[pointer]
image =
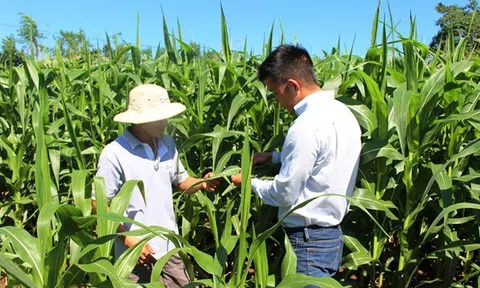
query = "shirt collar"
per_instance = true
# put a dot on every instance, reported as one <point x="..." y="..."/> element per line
<point x="134" y="143"/>
<point x="132" y="140"/>
<point x="319" y="96"/>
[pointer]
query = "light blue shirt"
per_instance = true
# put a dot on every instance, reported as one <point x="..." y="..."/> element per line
<point x="127" y="158"/>
<point x="320" y="155"/>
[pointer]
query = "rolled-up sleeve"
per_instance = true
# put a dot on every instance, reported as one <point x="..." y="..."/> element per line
<point x="276" y="157"/>
<point x="298" y="157"/>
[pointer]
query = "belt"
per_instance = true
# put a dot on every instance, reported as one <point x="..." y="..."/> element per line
<point x="314" y="227"/>
<point x="306" y="234"/>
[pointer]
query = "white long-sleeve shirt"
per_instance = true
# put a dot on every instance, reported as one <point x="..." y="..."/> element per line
<point x="320" y="155"/>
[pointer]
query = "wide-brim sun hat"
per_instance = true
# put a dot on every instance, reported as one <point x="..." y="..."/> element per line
<point x="149" y="103"/>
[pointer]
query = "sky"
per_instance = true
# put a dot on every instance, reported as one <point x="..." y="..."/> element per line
<point x="317" y="25"/>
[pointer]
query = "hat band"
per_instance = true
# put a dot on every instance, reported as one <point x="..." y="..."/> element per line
<point x="140" y="108"/>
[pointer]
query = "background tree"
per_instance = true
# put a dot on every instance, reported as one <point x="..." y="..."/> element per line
<point x="71" y="43"/>
<point x="9" y="54"/>
<point x="196" y="48"/>
<point x="147" y="53"/>
<point x="29" y="34"/>
<point x="458" y="19"/>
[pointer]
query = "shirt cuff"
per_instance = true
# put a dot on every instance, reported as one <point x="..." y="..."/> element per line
<point x="276" y="157"/>
<point x="261" y="189"/>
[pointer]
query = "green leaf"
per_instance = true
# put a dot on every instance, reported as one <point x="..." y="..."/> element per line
<point x="410" y="64"/>
<point x="235" y="106"/>
<point x="103" y="266"/>
<point x="301" y="280"/>
<point x="120" y="202"/>
<point x="379" y="106"/>
<point x="72" y="277"/>
<point x="78" y="190"/>
<point x="470" y="148"/>
<point x="44" y="221"/>
<point x="225" y="41"/>
<point x="437" y="81"/>
<point x="461" y="117"/>
<point x="127" y="261"/>
<point x="366" y="199"/>
<point x="467" y="178"/>
<point x="93" y="246"/>
<point x="158" y="267"/>
<point x="289" y="262"/>
<point x="445" y="212"/>
<point x="42" y="167"/>
<point x="365" y="117"/>
<point x="227" y="244"/>
<point x="158" y="231"/>
<point x="260" y="262"/>
<point x="73" y="74"/>
<point x="373" y="37"/>
<point x="136" y="58"/>
<point x="434" y="85"/>
<point x="71" y="130"/>
<point x="401" y="100"/>
<point x="28" y="249"/>
<point x="196" y="139"/>
<point x="204" y="260"/>
<point x="244" y="210"/>
<point x="445" y="184"/>
<point x="458" y="246"/>
<point x="210" y="207"/>
<point x="101" y="201"/>
<point x="168" y="44"/>
<point x="263" y="91"/>
<point x="16" y="272"/>
<point x="378" y="148"/>
<point x="354" y="260"/>
<point x="75" y="230"/>
<point x="32" y="72"/>
<point x="222" y="163"/>
<point x="353" y="244"/>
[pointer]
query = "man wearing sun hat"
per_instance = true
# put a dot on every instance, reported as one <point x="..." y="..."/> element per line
<point x="144" y="153"/>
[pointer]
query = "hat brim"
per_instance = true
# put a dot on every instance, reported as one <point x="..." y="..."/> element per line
<point x="166" y="111"/>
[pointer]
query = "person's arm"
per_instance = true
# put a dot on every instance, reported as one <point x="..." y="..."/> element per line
<point x="260" y="158"/>
<point x="183" y="181"/>
<point x="208" y="186"/>
<point x="300" y="154"/>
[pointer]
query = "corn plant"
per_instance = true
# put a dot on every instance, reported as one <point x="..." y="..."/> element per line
<point x="414" y="214"/>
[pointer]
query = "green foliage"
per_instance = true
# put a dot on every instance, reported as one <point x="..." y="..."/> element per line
<point x="72" y="43"/>
<point x="10" y="55"/>
<point x="414" y="215"/>
<point x="458" y="22"/>
<point x="30" y="34"/>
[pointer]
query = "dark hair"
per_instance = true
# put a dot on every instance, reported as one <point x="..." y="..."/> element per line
<point x="288" y="61"/>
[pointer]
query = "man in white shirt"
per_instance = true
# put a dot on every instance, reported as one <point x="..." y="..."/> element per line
<point x="320" y="156"/>
<point x="144" y="153"/>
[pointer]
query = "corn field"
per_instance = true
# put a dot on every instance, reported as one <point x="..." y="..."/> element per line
<point x="414" y="217"/>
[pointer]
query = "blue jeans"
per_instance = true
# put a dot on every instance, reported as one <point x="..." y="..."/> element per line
<point x="318" y="250"/>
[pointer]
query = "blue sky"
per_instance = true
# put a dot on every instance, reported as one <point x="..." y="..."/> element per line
<point x="317" y="25"/>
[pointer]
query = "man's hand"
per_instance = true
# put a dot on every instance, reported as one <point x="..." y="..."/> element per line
<point x="210" y="185"/>
<point x="260" y="158"/>
<point x="146" y="254"/>
<point x="237" y="179"/>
